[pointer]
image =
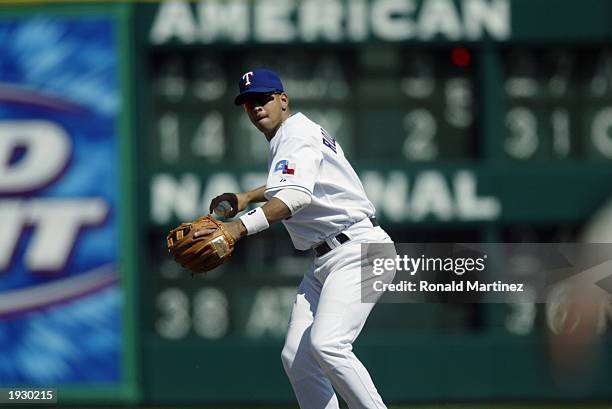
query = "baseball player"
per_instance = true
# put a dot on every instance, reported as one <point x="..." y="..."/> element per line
<point x="313" y="190"/>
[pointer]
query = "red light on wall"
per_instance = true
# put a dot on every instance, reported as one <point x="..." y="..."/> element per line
<point x="461" y="57"/>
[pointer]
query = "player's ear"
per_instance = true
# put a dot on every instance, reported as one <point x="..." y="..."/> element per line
<point x="284" y="100"/>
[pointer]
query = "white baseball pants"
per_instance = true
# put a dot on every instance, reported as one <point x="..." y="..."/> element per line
<point x="327" y="317"/>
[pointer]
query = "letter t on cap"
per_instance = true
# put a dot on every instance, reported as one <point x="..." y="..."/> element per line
<point x="247" y="78"/>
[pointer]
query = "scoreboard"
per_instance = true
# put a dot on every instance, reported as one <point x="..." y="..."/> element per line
<point x="468" y="121"/>
<point x="421" y="102"/>
<point x="558" y="103"/>
<point x="417" y="101"/>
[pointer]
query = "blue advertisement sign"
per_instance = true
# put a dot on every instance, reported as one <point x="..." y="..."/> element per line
<point x="61" y="298"/>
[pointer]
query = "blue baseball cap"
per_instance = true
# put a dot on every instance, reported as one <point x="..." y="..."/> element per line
<point x="259" y="80"/>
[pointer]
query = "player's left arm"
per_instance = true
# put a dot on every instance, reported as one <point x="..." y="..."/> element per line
<point x="274" y="210"/>
<point x="282" y="205"/>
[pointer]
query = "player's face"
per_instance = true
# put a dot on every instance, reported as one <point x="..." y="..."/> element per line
<point x="266" y="111"/>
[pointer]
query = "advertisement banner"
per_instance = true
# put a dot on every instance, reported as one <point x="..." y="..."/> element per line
<point x="61" y="297"/>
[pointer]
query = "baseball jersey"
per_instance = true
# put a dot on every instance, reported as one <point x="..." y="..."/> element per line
<point x="303" y="156"/>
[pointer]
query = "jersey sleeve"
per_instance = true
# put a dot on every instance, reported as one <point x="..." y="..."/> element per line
<point x="294" y="166"/>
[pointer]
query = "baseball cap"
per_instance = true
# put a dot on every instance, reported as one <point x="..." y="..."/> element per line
<point x="259" y="80"/>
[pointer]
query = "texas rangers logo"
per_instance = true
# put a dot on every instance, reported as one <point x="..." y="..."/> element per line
<point x="247" y="79"/>
<point x="286" y="167"/>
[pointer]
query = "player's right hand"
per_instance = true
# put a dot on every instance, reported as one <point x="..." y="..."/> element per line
<point x="232" y="199"/>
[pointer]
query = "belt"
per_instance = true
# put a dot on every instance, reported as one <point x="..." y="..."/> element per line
<point x="342" y="238"/>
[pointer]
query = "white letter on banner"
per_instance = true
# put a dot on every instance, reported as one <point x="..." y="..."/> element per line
<point x="273" y="21"/>
<point x="227" y="19"/>
<point x="357" y="20"/>
<point x="439" y="17"/>
<point x="321" y="20"/>
<point x="47" y="150"/>
<point x="431" y="195"/>
<point x="58" y="222"/>
<point x="469" y="205"/>
<point x="494" y="16"/>
<point x="170" y="196"/>
<point x="390" y="19"/>
<point x="12" y="219"/>
<point x="173" y="19"/>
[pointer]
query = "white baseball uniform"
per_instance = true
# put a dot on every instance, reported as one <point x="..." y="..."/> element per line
<point x="328" y="313"/>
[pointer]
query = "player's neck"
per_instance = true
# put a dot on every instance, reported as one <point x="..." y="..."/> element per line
<point x="269" y="135"/>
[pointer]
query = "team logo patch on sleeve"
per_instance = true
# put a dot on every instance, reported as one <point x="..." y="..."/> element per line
<point x="285" y="167"/>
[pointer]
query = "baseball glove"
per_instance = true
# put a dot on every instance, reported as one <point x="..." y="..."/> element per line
<point x="204" y="253"/>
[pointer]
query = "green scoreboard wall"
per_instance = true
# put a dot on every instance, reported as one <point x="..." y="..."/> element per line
<point x="472" y="120"/>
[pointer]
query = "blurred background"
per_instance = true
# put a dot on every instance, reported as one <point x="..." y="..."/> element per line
<point x="467" y="120"/>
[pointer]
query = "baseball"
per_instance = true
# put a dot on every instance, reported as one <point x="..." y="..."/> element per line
<point x="223" y="208"/>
